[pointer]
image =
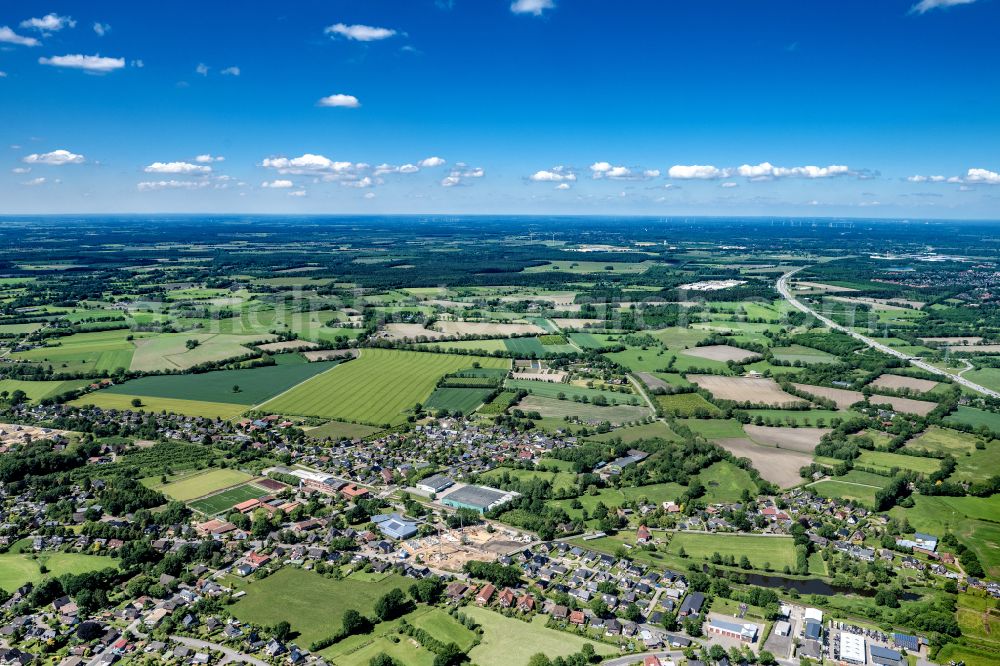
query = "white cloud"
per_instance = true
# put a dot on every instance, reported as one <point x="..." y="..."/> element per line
<point x="651" y="173"/>
<point x="101" y="28"/>
<point x="48" y="23"/>
<point x="383" y="169"/>
<point x="202" y="69"/>
<point x="360" y="33"/>
<point x="460" y="174"/>
<point x="55" y="158"/>
<point x="339" y="100"/>
<point x="35" y="181"/>
<point x="307" y="164"/>
<point x="208" y="159"/>
<point x="766" y="170"/>
<point x="925" y="6"/>
<point x="563" y="186"/>
<point x="21" y="170"/>
<point x="973" y="176"/>
<point x="177" y="167"/>
<point x="982" y="176"/>
<point x="94" y="63"/>
<point x="730" y="183"/>
<point x="297" y="193"/>
<point x="361" y="183"/>
<point x="231" y="71"/>
<point x="369" y="195"/>
<point x="8" y="36"/>
<point x="554" y="175"/>
<point x="533" y="7"/>
<point x="150" y="186"/>
<point x="431" y="162"/>
<point x="278" y="184"/>
<point x="697" y="172"/>
<point x="3" y="75"/>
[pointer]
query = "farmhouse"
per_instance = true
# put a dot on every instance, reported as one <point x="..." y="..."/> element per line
<point x="743" y="632"/>
<point x="477" y="498"/>
<point x="692" y="604"/>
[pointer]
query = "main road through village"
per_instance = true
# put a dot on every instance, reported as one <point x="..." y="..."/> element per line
<point x="786" y="293"/>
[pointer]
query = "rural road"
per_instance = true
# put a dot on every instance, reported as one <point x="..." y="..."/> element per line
<point x="782" y="286"/>
<point x="231" y="656"/>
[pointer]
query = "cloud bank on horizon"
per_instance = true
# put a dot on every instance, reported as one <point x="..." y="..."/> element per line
<point x="538" y="106"/>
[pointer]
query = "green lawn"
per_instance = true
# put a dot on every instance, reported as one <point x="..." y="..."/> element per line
<point x="812" y="417"/>
<point x="847" y="491"/>
<point x="715" y="428"/>
<point x="660" y="492"/>
<point x="512" y="642"/>
<point x="312" y="604"/>
<point x="445" y="628"/>
<point x="557" y="479"/>
<point x="256" y="385"/>
<point x="887" y="461"/>
<point x="725" y="482"/>
<point x="191" y="486"/>
<point x="587" y="412"/>
<point x="656" y="429"/>
<point x="553" y="390"/>
<point x="17" y="569"/>
<point x="804" y="355"/>
<point x="760" y="550"/>
<point x="376" y="388"/>
<point x="39" y="390"/>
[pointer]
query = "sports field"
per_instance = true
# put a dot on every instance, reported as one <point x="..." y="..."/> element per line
<point x="311" y="603"/>
<point x="107" y="400"/>
<point x="376" y="388"/>
<point x="512" y="642"/>
<point x="197" y="484"/>
<point x="17" y="569"/>
<point x="256" y="385"/>
<point x="464" y="400"/>
<point x="221" y="502"/>
<point x="760" y="550"/>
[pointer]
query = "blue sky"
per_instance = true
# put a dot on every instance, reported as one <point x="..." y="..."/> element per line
<point x="884" y="108"/>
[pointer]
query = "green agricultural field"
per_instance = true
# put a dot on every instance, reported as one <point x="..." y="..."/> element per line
<point x="943" y="440"/>
<point x="975" y="418"/>
<point x="256" y="385"/>
<point x="337" y="430"/>
<point x="464" y="400"/>
<point x="988" y="377"/>
<point x="846" y="491"/>
<point x="804" y="355"/>
<point x="656" y="429"/>
<point x="19" y="329"/>
<point x="679" y="338"/>
<point x="657" y="493"/>
<point x="40" y="390"/>
<point x="715" y="428"/>
<point x="554" y="390"/>
<point x="487" y="346"/>
<point x="778" y="552"/>
<point x="685" y="404"/>
<point x="590" y="413"/>
<point x="512" y="642"/>
<point x="559" y="480"/>
<point x="197" y="484"/>
<point x="169" y="351"/>
<point x="585" y="340"/>
<point x="651" y="359"/>
<point x="725" y="482"/>
<point x="222" y="502"/>
<point x="107" y="400"/>
<point x="376" y="388"/>
<point x="17" y="569"/>
<point x="445" y="628"/>
<point x="886" y="461"/>
<point x="582" y="267"/>
<point x="102" y="351"/>
<point x="312" y="604"/>
<point x="532" y="347"/>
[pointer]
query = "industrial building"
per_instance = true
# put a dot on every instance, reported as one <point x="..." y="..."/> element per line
<point x="852" y="648"/>
<point x="477" y="498"/>
<point x="395" y="526"/>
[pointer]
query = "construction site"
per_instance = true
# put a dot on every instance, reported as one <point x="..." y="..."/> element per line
<point x="450" y="549"/>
